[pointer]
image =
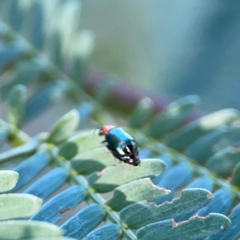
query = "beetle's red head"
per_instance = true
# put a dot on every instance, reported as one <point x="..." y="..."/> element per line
<point x="105" y="129"/>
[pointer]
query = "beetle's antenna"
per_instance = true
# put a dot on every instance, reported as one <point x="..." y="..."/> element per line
<point x="97" y="129"/>
<point x="94" y="132"/>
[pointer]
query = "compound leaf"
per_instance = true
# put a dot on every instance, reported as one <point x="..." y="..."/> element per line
<point x="80" y="143"/>
<point x="236" y="176"/>
<point x="36" y="163"/>
<point x="20" y="151"/>
<point x="18" y="205"/>
<point x="203" y="148"/>
<point x="183" y="137"/>
<point x="16" y="105"/>
<point x="107" y="232"/>
<point x="83" y="222"/>
<point x="64" y="127"/>
<point x="173" y="116"/>
<point x="220" y="203"/>
<point x="224" y="161"/>
<point x="49" y="238"/>
<point x="50" y="211"/>
<point x="8" y="180"/>
<point x="142" y="113"/>
<point x="11" y="230"/>
<point x="135" y="191"/>
<point x="142" y="213"/>
<point x="93" y="160"/>
<point x="48" y="183"/>
<point x="122" y="173"/>
<point x="234" y="231"/>
<point x="196" y="227"/>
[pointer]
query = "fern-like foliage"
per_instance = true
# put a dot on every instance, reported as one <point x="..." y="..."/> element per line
<point x="167" y="197"/>
<point x="74" y="157"/>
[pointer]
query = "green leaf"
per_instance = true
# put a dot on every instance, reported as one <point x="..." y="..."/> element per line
<point x="233" y="232"/>
<point x="205" y="182"/>
<point x="27" y="71"/>
<point x="80" y="143"/>
<point x="34" y="17"/>
<point x="4" y="132"/>
<point x="16" y="105"/>
<point x="50" y="238"/>
<point x="64" y="127"/>
<point x="219" y="203"/>
<point x="55" y="48"/>
<point x="224" y="161"/>
<point x="236" y="176"/>
<point x="203" y="148"/>
<point x="142" y="113"/>
<point x="8" y="180"/>
<point x="46" y="96"/>
<point x="196" y="227"/>
<point x="50" y="211"/>
<point x="68" y="150"/>
<point x="102" y="91"/>
<point x="183" y="137"/>
<point x="48" y="183"/>
<point x="79" y="69"/>
<point x="142" y="213"/>
<point x="83" y="222"/>
<point x="83" y="48"/>
<point x="107" y="232"/>
<point x="183" y="172"/>
<point x="36" y="163"/>
<point x="141" y="189"/>
<point x="18" y="205"/>
<point x="10" y="52"/>
<point x="114" y="176"/>
<point x="9" y="9"/>
<point x="20" y="151"/>
<point x="173" y="116"/>
<point x="11" y="230"/>
<point x="93" y="160"/>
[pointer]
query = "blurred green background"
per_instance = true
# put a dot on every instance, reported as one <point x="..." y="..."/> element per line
<point x="175" y="48"/>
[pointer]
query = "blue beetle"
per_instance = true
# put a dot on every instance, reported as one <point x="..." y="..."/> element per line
<point x="120" y="144"/>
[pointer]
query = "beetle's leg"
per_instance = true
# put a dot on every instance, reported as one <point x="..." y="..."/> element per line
<point x="118" y="160"/>
<point x="125" y="159"/>
<point x="104" y="142"/>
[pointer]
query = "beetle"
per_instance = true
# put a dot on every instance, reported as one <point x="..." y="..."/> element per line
<point x="120" y="144"/>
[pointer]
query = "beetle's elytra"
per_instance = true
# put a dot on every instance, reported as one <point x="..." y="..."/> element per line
<point x="120" y="144"/>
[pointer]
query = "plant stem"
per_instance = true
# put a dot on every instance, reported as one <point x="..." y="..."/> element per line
<point x="16" y="137"/>
<point x="95" y="197"/>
